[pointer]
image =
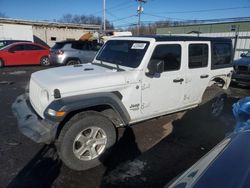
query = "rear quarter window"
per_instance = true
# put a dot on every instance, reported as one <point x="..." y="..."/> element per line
<point x="221" y="55"/>
<point x="58" y="46"/>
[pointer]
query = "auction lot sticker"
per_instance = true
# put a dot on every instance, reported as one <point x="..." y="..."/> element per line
<point x="138" y="46"/>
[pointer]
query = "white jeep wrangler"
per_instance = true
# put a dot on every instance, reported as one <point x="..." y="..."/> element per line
<point x="130" y="80"/>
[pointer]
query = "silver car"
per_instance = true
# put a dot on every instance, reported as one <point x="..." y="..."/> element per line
<point x="73" y="52"/>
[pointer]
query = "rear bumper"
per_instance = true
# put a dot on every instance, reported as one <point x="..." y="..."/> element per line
<point x="241" y="78"/>
<point x="30" y="124"/>
<point x="56" y="60"/>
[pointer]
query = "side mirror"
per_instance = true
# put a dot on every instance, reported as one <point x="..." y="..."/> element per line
<point x="156" y="67"/>
<point x="243" y="55"/>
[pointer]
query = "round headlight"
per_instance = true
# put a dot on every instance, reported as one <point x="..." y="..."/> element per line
<point x="44" y="97"/>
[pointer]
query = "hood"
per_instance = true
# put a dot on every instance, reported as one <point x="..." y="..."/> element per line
<point x="73" y="80"/>
<point x="242" y="61"/>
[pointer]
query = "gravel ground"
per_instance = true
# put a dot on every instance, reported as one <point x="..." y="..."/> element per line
<point x="149" y="154"/>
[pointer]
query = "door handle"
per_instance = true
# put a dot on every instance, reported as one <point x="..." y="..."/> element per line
<point x="204" y="76"/>
<point x="178" y="80"/>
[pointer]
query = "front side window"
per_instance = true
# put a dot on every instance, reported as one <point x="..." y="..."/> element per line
<point x="170" y="54"/>
<point x="79" y="46"/>
<point x="123" y="52"/>
<point x="197" y="55"/>
<point x="222" y="54"/>
<point x="19" y="47"/>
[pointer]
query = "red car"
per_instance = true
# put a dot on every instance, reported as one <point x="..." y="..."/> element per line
<point x="24" y="53"/>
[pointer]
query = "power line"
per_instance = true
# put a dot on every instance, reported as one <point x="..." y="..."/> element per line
<point x="171" y="18"/>
<point x="124" y="18"/>
<point x="113" y="15"/>
<point x="204" y="10"/>
<point x="116" y="7"/>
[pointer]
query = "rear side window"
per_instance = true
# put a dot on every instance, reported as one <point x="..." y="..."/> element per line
<point x="198" y="55"/>
<point x="79" y="46"/>
<point x="58" y="46"/>
<point x="170" y="54"/>
<point x="32" y="47"/>
<point x="221" y="55"/>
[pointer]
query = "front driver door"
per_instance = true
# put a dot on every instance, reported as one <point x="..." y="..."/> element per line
<point x="164" y="92"/>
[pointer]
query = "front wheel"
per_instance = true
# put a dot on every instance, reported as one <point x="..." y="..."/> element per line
<point x="85" y="140"/>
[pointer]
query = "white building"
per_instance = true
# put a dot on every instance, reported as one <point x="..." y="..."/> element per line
<point x="43" y="32"/>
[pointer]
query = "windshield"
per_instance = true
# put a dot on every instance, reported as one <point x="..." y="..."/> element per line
<point x="123" y="52"/>
<point x="248" y="54"/>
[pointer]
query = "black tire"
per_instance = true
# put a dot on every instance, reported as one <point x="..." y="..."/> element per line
<point x="77" y="137"/>
<point x="73" y="62"/>
<point x="1" y="63"/>
<point x="215" y="107"/>
<point x="44" y="61"/>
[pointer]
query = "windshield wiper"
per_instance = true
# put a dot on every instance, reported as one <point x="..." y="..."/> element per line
<point x="116" y="62"/>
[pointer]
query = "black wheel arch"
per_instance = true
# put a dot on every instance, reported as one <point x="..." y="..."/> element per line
<point x="71" y="58"/>
<point x="109" y="104"/>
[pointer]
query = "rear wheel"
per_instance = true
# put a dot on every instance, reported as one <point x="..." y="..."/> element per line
<point x="73" y="62"/>
<point x="45" y="61"/>
<point x="217" y="106"/>
<point x="1" y="63"/>
<point x="85" y="140"/>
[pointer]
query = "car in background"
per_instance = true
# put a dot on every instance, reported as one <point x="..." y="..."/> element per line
<point x="4" y="43"/>
<point x="24" y="53"/>
<point x="227" y="164"/>
<point x="242" y="70"/>
<point x="73" y="52"/>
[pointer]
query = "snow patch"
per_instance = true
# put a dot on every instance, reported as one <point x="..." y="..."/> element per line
<point x="17" y="72"/>
<point x="125" y="171"/>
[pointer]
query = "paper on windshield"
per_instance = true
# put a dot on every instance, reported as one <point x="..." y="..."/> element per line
<point x="138" y="46"/>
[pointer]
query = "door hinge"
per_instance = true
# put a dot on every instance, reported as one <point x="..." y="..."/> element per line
<point x="145" y="86"/>
<point x="145" y="105"/>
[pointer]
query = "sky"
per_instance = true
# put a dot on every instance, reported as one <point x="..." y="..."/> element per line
<point x="122" y="13"/>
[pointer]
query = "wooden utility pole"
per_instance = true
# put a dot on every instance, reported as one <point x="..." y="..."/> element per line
<point x="104" y="15"/>
<point x="139" y="12"/>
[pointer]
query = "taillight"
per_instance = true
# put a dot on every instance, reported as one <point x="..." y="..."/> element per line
<point x="59" y="52"/>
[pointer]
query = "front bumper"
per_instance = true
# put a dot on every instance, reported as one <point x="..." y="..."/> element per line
<point x="30" y="124"/>
<point x="241" y="78"/>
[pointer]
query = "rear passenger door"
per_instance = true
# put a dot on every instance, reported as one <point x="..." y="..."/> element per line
<point x="197" y="75"/>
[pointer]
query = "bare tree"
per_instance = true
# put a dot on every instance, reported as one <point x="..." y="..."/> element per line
<point x="84" y="19"/>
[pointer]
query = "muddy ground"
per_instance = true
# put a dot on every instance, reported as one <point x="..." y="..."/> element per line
<point x="149" y="154"/>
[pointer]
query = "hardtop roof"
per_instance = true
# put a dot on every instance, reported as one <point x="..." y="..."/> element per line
<point x="183" y="38"/>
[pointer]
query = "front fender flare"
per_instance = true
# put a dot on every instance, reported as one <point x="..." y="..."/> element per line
<point x="81" y="102"/>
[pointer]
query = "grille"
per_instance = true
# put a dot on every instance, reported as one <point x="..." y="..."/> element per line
<point x="34" y="94"/>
